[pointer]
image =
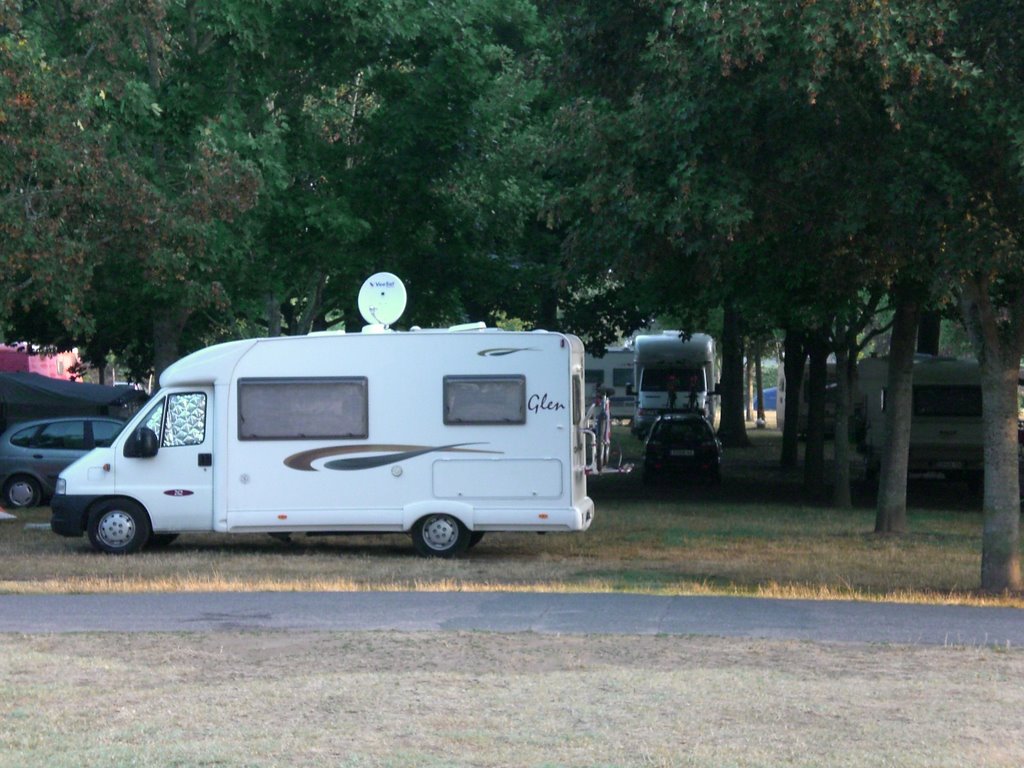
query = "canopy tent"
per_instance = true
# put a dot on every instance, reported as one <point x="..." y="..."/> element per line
<point x="25" y="396"/>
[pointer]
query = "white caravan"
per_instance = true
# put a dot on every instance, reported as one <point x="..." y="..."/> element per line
<point x="614" y="373"/>
<point x="831" y="391"/>
<point x="946" y="435"/>
<point x="442" y="434"/>
<point x="671" y="374"/>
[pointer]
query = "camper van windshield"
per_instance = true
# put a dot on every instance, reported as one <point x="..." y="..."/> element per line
<point x="682" y="379"/>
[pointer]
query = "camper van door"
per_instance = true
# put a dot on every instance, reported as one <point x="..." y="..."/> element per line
<point x="175" y="485"/>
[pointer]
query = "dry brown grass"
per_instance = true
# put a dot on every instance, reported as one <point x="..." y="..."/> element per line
<point x="754" y="535"/>
<point x="388" y="699"/>
<point x="480" y="699"/>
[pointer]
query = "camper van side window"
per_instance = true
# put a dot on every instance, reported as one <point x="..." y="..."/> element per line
<point x="484" y="400"/>
<point x="577" y="400"/>
<point x="186" y="420"/>
<point x="303" y="409"/>
<point x="155" y="418"/>
<point x="947" y="401"/>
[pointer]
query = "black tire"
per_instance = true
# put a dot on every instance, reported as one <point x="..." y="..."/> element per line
<point x="160" y="540"/>
<point x="475" y="538"/>
<point x="22" y="491"/>
<point x="440" y="535"/>
<point x="118" y="527"/>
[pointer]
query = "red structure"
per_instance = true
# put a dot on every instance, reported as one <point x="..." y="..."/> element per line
<point x="21" y="359"/>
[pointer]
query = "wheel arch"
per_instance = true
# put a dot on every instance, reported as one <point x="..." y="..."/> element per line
<point x="88" y="509"/>
<point x="412" y="513"/>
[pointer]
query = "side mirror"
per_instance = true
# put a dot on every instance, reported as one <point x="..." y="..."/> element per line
<point x="142" y="444"/>
<point x="629" y="390"/>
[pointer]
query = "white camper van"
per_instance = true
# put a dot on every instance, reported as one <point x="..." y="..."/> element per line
<point x="803" y="417"/>
<point x="671" y="374"/>
<point x="946" y="436"/>
<point x="614" y="373"/>
<point x="442" y="434"/>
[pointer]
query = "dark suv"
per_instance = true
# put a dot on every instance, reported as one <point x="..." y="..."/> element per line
<point x="682" y="445"/>
<point x="33" y="453"/>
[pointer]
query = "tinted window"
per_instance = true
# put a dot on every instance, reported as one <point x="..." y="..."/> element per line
<point x="484" y="399"/>
<point x="622" y="377"/>
<point x="64" y="435"/>
<point x="23" y="438"/>
<point x="577" y="400"/>
<point x="947" y="401"/>
<point x="104" y="432"/>
<point x="690" y="430"/>
<point x="303" y="409"/>
<point x="679" y="379"/>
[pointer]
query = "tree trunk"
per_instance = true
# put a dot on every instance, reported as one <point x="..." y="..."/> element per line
<point x="846" y="363"/>
<point x="999" y="346"/>
<point x="167" y="330"/>
<point x="1000" y="543"/>
<point x="314" y="301"/>
<point x="814" y="456"/>
<point x="794" y="361"/>
<point x="733" y="428"/>
<point x="759" y="385"/>
<point x="273" y="308"/>
<point x="891" y="509"/>
<point x="748" y="389"/>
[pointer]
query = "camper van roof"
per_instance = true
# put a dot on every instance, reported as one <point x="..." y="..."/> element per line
<point x="668" y="344"/>
<point x="216" y="364"/>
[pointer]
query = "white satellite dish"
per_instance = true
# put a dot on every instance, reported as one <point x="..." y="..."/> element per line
<point x="382" y="299"/>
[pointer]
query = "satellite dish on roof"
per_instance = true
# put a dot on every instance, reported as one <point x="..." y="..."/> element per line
<point x="382" y="299"/>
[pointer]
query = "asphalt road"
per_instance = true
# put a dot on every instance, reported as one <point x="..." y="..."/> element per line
<point x="818" y="621"/>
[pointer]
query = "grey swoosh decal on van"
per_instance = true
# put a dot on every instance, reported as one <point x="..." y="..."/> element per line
<point x="502" y="351"/>
<point x="391" y="453"/>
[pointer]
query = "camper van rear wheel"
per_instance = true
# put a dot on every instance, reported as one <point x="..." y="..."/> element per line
<point x="119" y="527"/>
<point x="440" y="535"/>
<point x="22" y="491"/>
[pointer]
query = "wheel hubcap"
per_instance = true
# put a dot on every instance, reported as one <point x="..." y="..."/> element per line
<point x="440" y="533"/>
<point x="116" y="529"/>
<point x="22" y="494"/>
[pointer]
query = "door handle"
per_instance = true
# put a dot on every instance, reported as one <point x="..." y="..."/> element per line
<point x="205" y="459"/>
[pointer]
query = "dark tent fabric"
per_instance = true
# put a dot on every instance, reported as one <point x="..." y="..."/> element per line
<point x="25" y="396"/>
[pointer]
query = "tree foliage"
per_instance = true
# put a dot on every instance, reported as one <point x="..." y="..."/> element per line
<point x="174" y="173"/>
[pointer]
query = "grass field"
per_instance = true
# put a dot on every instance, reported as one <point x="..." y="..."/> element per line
<point x="401" y="700"/>
<point x="391" y="700"/>
<point x="752" y="536"/>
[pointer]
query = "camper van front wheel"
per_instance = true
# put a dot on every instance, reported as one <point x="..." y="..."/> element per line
<point x="119" y="527"/>
<point x="440" y="535"/>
